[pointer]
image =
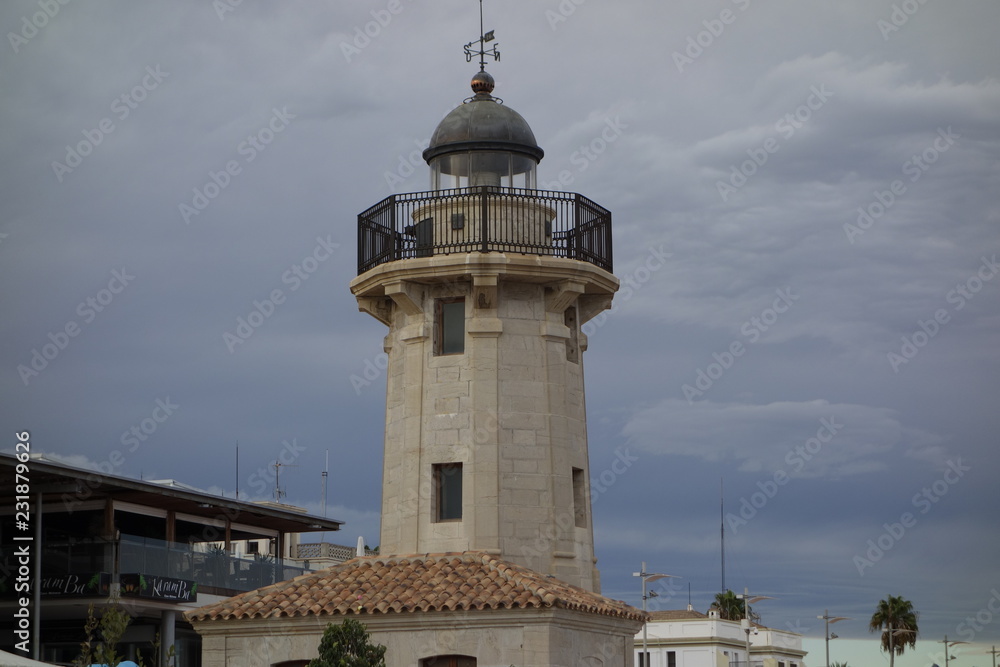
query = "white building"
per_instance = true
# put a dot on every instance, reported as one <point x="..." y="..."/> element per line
<point x="688" y="638"/>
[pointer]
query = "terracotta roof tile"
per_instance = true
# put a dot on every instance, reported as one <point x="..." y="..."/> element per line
<point x="400" y="584"/>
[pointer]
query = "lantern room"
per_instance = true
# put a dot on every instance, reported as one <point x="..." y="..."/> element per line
<point x="483" y="142"/>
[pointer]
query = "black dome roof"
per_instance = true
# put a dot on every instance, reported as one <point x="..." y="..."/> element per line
<point x="483" y="123"/>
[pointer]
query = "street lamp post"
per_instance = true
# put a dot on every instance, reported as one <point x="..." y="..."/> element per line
<point x="830" y="619"/>
<point x="892" y="633"/>
<point x="947" y="648"/>
<point x="745" y="623"/>
<point x="647" y="576"/>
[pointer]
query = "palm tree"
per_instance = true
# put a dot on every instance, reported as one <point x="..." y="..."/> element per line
<point x="730" y="607"/>
<point x="897" y="620"/>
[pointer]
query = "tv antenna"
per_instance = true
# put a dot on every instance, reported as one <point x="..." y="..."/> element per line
<point x="484" y="37"/>
<point x="278" y="465"/>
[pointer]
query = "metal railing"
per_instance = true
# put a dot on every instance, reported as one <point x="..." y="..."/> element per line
<point x="484" y="219"/>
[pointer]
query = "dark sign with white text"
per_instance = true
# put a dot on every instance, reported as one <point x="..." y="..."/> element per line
<point x="158" y="588"/>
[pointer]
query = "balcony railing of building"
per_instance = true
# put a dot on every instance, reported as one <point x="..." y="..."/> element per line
<point x="212" y="568"/>
<point x="327" y="551"/>
<point x="484" y="219"/>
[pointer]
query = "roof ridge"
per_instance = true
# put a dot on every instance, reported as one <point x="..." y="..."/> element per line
<point x="398" y="583"/>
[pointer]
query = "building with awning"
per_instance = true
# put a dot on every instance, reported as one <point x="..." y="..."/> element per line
<point x="163" y="547"/>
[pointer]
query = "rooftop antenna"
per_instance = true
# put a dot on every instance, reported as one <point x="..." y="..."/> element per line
<point x="722" y="529"/>
<point x="278" y="465"/>
<point x="484" y="37"/>
<point x="326" y="468"/>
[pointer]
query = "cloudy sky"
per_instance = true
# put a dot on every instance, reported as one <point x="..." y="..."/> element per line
<point x="806" y="214"/>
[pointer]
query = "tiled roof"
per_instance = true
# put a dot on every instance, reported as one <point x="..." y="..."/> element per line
<point x="676" y="615"/>
<point x="400" y="584"/>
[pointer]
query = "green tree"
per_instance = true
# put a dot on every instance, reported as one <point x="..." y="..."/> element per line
<point x="730" y="607"/>
<point x="111" y="626"/>
<point x="347" y="645"/>
<point x="897" y="620"/>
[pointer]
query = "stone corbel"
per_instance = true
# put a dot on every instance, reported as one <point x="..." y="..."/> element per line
<point x="484" y="291"/>
<point x="562" y="295"/>
<point x="378" y="307"/>
<point x="592" y="304"/>
<point x="406" y="296"/>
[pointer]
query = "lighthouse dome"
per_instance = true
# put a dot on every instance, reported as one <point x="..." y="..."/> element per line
<point x="483" y="142"/>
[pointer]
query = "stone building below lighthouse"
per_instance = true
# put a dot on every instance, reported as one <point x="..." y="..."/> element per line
<point x="483" y="283"/>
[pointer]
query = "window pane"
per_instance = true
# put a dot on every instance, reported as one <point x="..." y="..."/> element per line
<point x="453" y="327"/>
<point x="448" y="484"/>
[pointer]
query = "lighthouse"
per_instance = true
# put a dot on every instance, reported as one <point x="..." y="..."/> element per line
<point x="486" y="553"/>
<point x="484" y="282"/>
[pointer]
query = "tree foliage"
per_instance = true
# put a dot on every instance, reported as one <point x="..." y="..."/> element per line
<point x="897" y="620"/>
<point x="730" y="607"/>
<point x="110" y="628"/>
<point x="347" y="645"/>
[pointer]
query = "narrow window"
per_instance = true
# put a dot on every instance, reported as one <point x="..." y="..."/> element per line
<point x="447" y="504"/>
<point x="573" y="343"/>
<point x="671" y="659"/>
<point x="449" y="326"/>
<point x="579" y="498"/>
<point x="643" y="659"/>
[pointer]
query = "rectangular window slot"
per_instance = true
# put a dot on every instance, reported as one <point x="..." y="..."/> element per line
<point x="447" y="504"/>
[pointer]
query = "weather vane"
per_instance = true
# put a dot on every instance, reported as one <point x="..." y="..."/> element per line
<point x="483" y="39"/>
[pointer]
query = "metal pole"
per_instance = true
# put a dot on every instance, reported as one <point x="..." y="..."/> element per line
<point x="826" y="617"/>
<point x="644" y="660"/>
<point x="746" y="596"/>
<point x="890" y="646"/>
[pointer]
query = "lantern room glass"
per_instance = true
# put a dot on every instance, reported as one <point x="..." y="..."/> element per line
<point x="473" y="168"/>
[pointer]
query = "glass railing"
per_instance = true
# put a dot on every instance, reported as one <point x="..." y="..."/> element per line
<point x="210" y="567"/>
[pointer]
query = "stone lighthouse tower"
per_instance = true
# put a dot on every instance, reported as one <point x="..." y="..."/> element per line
<point x="484" y="283"/>
<point x="487" y="545"/>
